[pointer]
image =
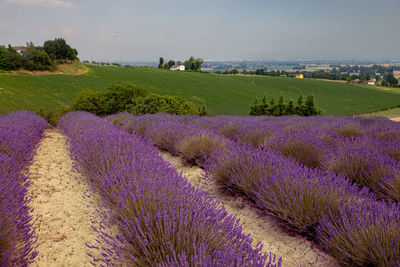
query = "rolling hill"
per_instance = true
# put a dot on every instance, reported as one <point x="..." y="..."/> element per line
<point x="221" y="94"/>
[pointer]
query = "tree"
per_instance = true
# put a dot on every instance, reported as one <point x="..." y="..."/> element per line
<point x="10" y="59"/>
<point x="36" y="58"/>
<point x="59" y="49"/>
<point x="161" y="64"/>
<point x="290" y="108"/>
<point x="197" y="64"/>
<point x="171" y="63"/>
<point x="299" y="107"/>
<point x="281" y="108"/>
<point x="193" y="64"/>
<point x="391" y="80"/>
<point x="235" y="71"/>
<point x="310" y="108"/>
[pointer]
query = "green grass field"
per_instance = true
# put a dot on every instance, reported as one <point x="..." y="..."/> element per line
<point x="391" y="113"/>
<point x="221" y="94"/>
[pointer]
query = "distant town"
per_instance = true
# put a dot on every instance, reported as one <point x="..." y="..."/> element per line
<point x="385" y="72"/>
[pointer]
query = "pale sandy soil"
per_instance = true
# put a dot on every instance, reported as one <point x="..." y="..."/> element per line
<point x="395" y="119"/>
<point x="64" y="212"/>
<point x="294" y="249"/>
<point x="35" y="72"/>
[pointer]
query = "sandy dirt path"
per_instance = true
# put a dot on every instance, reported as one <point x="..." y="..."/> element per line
<point x="64" y="215"/>
<point x="395" y="119"/>
<point x="294" y="249"/>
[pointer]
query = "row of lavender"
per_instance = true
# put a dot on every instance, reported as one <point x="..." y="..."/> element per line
<point x="162" y="220"/>
<point x="366" y="151"/>
<point x="19" y="134"/>
<point x="283" y="166"/>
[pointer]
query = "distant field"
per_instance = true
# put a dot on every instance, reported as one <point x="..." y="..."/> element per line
<point x="221" y="94"/>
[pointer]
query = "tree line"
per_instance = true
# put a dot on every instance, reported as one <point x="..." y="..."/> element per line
<point x="43" y="57"/>
<point x="190" y="64"/>
<point x="269" y="106"/>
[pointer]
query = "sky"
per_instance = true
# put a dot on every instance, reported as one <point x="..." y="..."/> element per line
<point x="132" y="30"/>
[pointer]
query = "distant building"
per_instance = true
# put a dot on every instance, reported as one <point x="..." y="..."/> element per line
<point x="20" y="49"/>
<point x="299" y="76"/>
<point x="178" y="67"/>
<point x="372" y="81"/>
<point x="355" y="81"/>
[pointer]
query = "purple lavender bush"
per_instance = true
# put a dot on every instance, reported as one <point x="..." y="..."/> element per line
<point x="196" y="148"/>
<point x="364" y="233"/>
<point x="315" y="175"/>
<point x="162" y="219"/>
<point x="19" y="134"/>
<point x="361" y="161"/>
<point x="297" y="196"/>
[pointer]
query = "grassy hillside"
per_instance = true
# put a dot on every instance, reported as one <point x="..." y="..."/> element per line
<point x="221" y="94"/>
<point x="391" y="113"/>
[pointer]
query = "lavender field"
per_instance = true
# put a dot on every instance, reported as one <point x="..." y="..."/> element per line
<point x="334" y="180"/>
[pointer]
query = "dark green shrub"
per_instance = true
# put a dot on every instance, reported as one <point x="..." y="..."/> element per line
<point x="307" y="108"/>
<point x="118" y="97"/>
<point x="87" y="100"/>
<point x="114" y="100"/>
<point x="154" y="103"/>
<point x="10" y="59"/>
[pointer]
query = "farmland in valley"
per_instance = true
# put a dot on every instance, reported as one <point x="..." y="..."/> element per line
<point x="220" y="94"/>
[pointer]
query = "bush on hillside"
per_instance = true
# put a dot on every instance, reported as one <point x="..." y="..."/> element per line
<point x="90" y="101"/>
<point x="118" y="97"/>
<point x="114" y="100"/>
<point x="154" y="103"/>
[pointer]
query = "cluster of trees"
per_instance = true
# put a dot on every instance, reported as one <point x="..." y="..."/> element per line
<point x="268" y="106"/>
<point x="133" y="99"/>
<point x="390" y="80"/>
<point x="190" y="64"/>
<point x="34" y="58"/>
<point x="37" y="57"/>
<point x="58" y="49"/>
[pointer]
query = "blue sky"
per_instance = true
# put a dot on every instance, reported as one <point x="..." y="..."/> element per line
<point x="219" y="29"/>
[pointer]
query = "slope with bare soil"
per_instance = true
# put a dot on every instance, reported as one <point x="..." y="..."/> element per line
<point x="61" y="206"/>
<point x="294" y="249"/>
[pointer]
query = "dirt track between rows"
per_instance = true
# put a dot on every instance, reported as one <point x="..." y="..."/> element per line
<point x="294" y="249"/>
<point x="63" y="214"/>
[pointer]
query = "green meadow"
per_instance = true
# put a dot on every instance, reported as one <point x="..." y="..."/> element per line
<point x="220" y="94"/>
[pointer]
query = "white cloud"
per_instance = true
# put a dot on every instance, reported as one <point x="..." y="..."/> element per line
<point x="43" y="3"/>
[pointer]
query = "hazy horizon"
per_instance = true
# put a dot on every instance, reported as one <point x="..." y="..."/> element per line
<point x="212" y="30"/>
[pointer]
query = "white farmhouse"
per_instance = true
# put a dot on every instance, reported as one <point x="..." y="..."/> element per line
<point x="20" y="49"/>
<point x="178" y="67"/>
<point x="372" y="81"/>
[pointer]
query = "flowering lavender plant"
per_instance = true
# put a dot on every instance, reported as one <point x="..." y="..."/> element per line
<point x="19" y="134"/>
<point x="162" y="219"/>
